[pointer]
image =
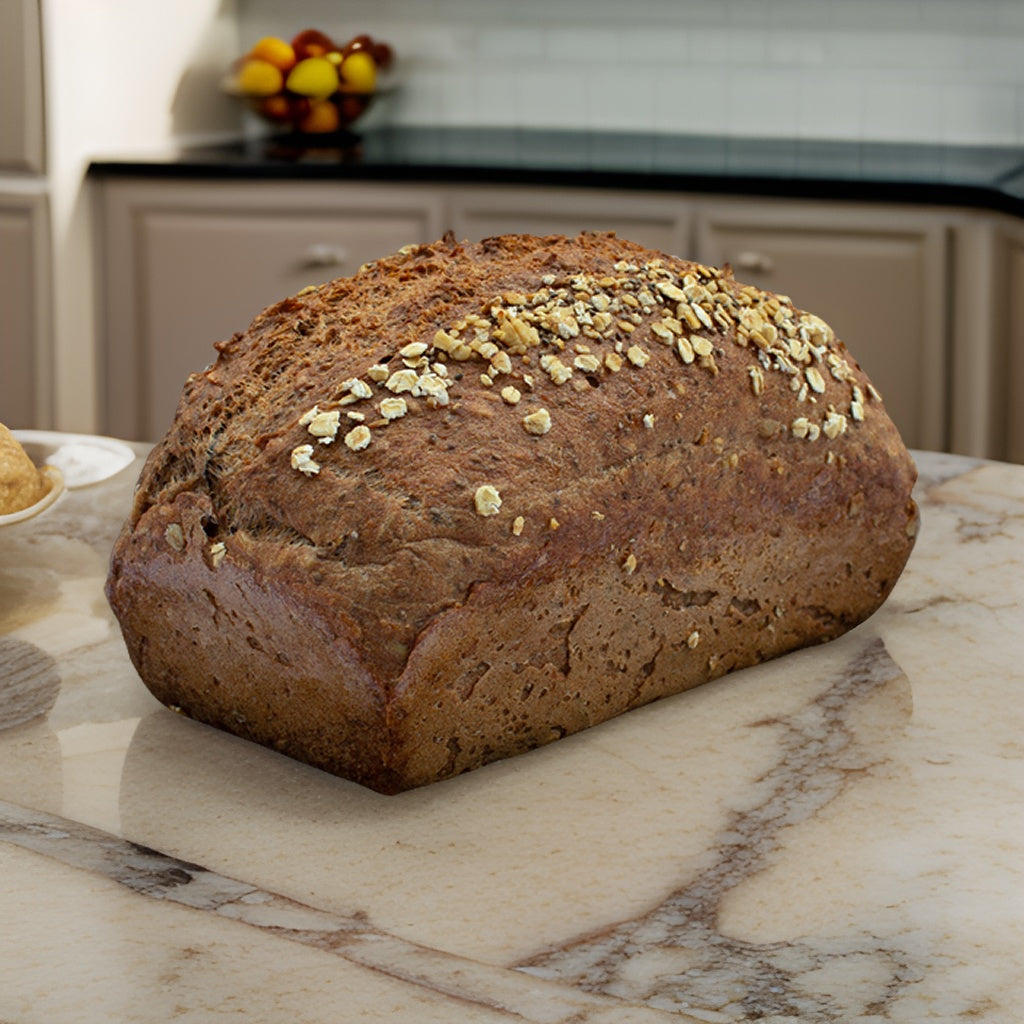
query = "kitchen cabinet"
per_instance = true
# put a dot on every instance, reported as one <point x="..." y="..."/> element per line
<point x="877" y="275"/>
<point x="1006" y="361"/>
<point x="24" y="305"/>
<point x="21" y="87"/>
<point x="25" y="326"/>
<point x="987" y="354"/>
<point x="186" y="265"/>
<point x="1013" y="382"/>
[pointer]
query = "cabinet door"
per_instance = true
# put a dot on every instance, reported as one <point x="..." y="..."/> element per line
<point x="659" y="222"/>
<point x="1007" y="396"/>
<point x="878" y="276"/>
<point x="199" y="264"/>
<point x="24" y="308"/>
<point x="21" y="86"/>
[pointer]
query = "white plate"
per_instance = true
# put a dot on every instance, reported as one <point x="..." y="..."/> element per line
<point x="82" y="459"/>
<point x="53" y="474"/>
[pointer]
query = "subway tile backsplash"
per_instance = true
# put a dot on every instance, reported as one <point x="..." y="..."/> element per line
<point x="914" y="70"/>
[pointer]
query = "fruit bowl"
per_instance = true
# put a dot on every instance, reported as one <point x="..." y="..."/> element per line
<point x="310" y="85"/>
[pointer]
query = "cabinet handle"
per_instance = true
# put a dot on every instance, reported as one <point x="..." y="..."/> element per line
<point x="323" y="255"/>
<point x="754" y="261"/>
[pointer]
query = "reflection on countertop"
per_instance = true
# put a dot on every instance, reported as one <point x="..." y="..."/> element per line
<point x="832" y="836"/>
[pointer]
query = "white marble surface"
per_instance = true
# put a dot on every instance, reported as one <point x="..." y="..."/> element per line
<point x="835" y="836"/>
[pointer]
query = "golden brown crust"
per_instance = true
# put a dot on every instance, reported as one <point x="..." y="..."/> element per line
<point x="21" y="483"/>
<point x="480" y="496"/>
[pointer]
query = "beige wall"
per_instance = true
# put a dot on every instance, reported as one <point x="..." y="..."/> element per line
<point x="117" y="77"/>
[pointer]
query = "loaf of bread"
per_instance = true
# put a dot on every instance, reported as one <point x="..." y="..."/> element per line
<point x="480" y="496"/>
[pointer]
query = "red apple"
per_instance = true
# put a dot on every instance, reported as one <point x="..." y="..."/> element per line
<point x="311" y="42"/>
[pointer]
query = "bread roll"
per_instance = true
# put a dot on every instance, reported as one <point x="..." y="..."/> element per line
<point x="480" y="496"/>
<point x="21" y="483"/>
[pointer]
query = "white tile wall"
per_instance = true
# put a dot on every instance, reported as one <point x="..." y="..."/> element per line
<point x="916" y="70"/>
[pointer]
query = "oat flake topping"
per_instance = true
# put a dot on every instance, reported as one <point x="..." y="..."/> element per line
<point x="487" y="500"/>
<point x="576" y="329"/>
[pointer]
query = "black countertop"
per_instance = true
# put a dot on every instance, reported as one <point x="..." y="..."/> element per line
<point x="990" y="177"/>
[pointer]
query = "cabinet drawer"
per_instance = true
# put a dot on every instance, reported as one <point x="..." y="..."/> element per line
<point x="879" y="284"/>
<point x="658" y="222"/>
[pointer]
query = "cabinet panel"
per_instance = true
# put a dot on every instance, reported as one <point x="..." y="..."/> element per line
<point x="197" y="267"/>
<point x="878" y="279"/>
<point x="21" y="86"/>
<point x="1013" y="346"/>
<point x="24" y="333"/>
<point x="659" y="222"/>
<point x="207" y="276"/>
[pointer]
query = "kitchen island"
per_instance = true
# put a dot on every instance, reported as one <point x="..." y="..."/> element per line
<point x="835" y="835"/>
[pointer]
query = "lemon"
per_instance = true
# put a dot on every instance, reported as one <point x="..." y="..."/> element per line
<point x="314" y="77"/>
<point x="358" y="72"/>
<point x="258" y="78"/>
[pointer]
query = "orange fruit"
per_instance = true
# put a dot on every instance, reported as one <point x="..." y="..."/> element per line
<point x="274" y="51"/>
<point x="358" y="72"/>
<point x="258" y="78"/>
<point x="314" y="77"/>
<point x="323" y="117"/>
<point x="276" y="108"/>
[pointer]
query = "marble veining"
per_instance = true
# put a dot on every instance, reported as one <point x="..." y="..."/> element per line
<point x="697" y="962"/>
<point x="835" y="835"/>
<point x="155" y="875"/>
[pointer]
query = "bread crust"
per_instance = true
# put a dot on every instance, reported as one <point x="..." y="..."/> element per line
<point x="429" y="591"/>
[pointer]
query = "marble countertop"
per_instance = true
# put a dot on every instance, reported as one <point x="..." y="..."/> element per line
<point x="990" y="177"/>
<point x="834" y="836"/>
